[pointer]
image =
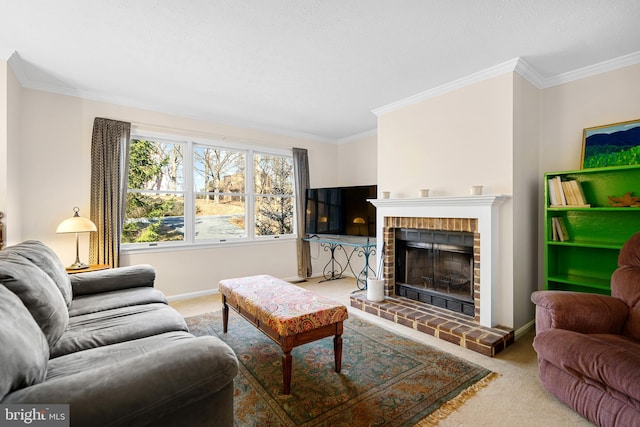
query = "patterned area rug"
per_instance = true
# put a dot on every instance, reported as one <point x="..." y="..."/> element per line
<point x="386" y="379"/>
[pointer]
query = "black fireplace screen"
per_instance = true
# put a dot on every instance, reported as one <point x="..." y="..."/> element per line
<point x="436" y="267"/>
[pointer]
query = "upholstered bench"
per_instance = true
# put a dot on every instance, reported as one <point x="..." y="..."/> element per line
<point x="286" y="313"/>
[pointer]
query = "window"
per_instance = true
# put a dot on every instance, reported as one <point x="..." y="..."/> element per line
<point x="155" y="192"/>
<point x="197" y="192"/>
<point x="273" y="194"/>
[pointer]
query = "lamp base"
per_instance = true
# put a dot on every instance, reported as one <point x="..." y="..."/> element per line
<point x="77" y="266"/>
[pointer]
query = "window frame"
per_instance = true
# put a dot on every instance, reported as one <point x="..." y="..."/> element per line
<point x="190" y="194"/>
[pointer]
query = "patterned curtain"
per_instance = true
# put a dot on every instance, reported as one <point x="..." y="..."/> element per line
<point x="301" y="172"/>
<point x="109" y="174"/>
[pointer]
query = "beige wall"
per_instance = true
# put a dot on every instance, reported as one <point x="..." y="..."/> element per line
<point x="450" y="142"/>
<point x="10" y="92"/>
<point x="3" y="135"/>
<point x="593" y="101"/>
<point x="54" y="177"/>
<point x="357" y="161"/>
<point x="526" y="178"/>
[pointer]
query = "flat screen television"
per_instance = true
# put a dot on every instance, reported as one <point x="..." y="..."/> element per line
<point x="341" y="211"/>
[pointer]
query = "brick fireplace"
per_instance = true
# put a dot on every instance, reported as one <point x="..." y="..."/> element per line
<point x="475" y="328"/>
<point x="440" y="230"/>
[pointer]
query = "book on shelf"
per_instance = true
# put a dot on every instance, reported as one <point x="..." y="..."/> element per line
<point x="562" y="199"/>
<point x="553" y="197"/>
<point x="579" y="193"/>
<point x="567" y="189"/>
<point x="566" y="193"/>
<point x="559" y="232"/>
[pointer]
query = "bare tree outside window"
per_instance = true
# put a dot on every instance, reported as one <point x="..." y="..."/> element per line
<point x="224" y="202"/>
<point x="273" y="188"/>
<point x="219" y="182"/>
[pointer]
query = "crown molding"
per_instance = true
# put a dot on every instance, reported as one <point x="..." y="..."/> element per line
<point x="520" y="66"/>
<point x="529" y="73"/>
<point x="19" y="70"/>
<point x="485" y="74"/>
<point x="366" y="134"/>
<point x="6" y="53"/>
<point x="592" y="70"/>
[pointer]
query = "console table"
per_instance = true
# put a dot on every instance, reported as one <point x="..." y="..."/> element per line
<point x="349" y="245"/>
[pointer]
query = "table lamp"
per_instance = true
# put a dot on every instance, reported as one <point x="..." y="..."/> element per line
<point x="359" y="220"/>
<point x="76" y="224"/>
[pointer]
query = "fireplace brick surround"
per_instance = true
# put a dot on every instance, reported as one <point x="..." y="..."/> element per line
<point x="391" y="224"/>
<point x="459" y="329"/>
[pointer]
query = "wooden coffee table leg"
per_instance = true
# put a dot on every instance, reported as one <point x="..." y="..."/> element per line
<point x="225" y="314"/>
<point x="337" y="347"/>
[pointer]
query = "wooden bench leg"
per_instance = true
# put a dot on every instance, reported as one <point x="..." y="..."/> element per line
<point x="287" y="361"/>
<point x="337" y="351"/>
<point x="337" y="347"/>
<point x="286" y="372"/>
<point x="225" y="314"/>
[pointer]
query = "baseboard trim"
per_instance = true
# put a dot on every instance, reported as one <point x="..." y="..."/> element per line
<point x="524" y="330"/>
<point x="192" y="295"/>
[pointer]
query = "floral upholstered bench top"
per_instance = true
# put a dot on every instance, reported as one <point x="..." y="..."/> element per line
<point x="286" y="308"/>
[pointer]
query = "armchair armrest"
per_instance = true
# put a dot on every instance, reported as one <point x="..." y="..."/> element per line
<point x="113" y="279"/>
<point x="144" y="390"/>
<point x="579" y="312"/>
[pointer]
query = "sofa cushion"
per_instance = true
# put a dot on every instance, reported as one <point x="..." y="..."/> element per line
<point x="92" y="303"/>
<point x="609" y="360"/>
<point x="117" y="325"/>
<point x="113" y="279"/>
<point x="42" y="256"/>
<point x="624" y="285"/>
<point x="24" y="351"/>
<point x="38" y="293"/>
<point x="630" y="252"/>
<point x="93" y="358"/>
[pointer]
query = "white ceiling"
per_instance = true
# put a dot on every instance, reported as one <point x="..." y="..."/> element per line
<point x="304" y="67"/>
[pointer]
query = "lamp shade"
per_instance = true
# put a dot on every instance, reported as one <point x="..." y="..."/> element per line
<point x="76" y="224"/>
<point x="359" y="220"/>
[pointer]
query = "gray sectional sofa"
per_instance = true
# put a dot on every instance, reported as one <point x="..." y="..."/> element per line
<point x="107" y="344"/>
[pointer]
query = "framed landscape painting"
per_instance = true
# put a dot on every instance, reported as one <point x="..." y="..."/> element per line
<point x="617" y="144"/>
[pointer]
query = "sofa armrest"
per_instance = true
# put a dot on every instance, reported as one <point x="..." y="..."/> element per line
<point x="579" y="312"/>
<point x="114" y="279"/>
<point x="143" y="390"/>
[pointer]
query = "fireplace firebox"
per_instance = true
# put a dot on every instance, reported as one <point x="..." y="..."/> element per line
<point x="436" y="267"/>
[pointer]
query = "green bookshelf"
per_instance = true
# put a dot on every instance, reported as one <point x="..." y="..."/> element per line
<point x="585" y="261"/>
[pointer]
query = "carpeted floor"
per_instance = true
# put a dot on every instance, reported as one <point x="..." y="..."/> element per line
<point x="386" y="379"/>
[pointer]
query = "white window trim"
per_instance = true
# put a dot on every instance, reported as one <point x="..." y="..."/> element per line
<point x="189" y="241"/>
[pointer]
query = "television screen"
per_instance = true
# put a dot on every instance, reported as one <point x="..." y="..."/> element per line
<point x="341" y="211"/>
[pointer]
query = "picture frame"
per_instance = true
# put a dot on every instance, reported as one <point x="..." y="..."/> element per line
<point x="617" y="144"/>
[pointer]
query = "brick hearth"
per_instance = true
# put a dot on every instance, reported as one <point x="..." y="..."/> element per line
<point x="440" y="323"/>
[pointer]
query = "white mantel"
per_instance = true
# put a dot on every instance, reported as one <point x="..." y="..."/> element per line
<point x="484" y="208"/>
